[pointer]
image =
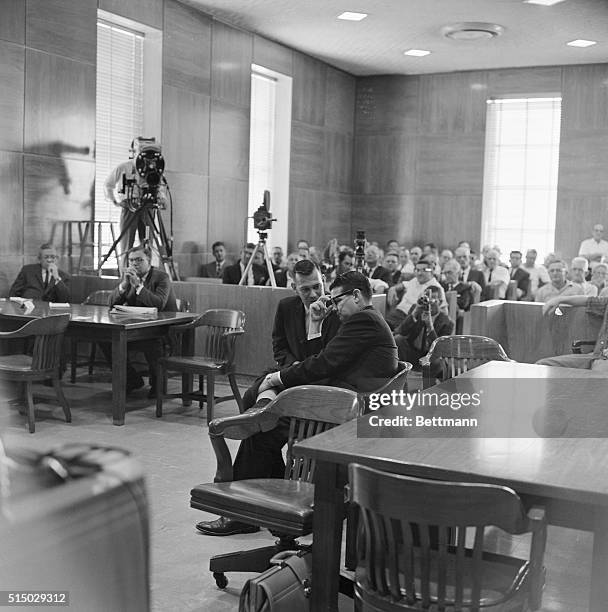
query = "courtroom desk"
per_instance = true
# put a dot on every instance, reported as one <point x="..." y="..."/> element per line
<point x="527" y="335"/>
<point x="566" y="475"/>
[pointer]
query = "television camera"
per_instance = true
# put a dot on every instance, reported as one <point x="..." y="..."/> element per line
<point x="360" y="250"/>
<point x="150" y="166"/>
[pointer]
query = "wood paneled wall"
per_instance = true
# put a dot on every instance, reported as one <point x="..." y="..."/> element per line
<point x="419" y="144"/>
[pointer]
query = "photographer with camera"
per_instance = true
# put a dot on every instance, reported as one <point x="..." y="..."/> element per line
<point x="422" y="327"/>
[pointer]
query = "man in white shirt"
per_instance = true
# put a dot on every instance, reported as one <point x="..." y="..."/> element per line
<point x="559" y="285"/>
<point x="496" y="277"/>
<point x="538" y="274"/>
<point x="594" y="248"/>
<point x="578" y="271"/>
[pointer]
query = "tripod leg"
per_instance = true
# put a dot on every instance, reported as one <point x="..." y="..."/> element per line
<point x="124" y="231"/>
<point x="245" y="276"/>
<point x="159" y="239"/>
<point x="273" y="282"/>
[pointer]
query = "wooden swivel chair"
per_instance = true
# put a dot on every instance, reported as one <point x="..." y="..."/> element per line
<point x="397" y="383"/>
<point x="400" y="569"/>
<point x="283" y="506"/>
<point x="458" y="354"/>
<point x="97" y="298"/>
<point x="43" y="364"/>
<point x="218" y="331"/>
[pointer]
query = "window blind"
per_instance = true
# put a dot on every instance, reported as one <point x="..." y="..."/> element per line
<point x="520" y="173"/>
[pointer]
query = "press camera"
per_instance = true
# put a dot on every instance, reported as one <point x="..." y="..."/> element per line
<point x="359" y="250"/>
<point x="150" y="166"/>
<point x="262" y="217"/>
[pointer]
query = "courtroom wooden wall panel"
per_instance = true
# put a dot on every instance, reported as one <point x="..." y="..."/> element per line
<point x="12" y="24"/>
<point x="46" y="201"/>
<point x="148" y="12"/>
<point x="386" y="104"/>
<point x="12" y="77"/>
<point x="539" y="80"/>
<point x="306" y="156"/>
<point x="185" y="130"/>
<point x="585" y="97"/>
<point x="453" y="103"/>
<point x="186" y="48"/>
<point x="385" y="163"/>
<point x="11" y="264"/>
<point x="384" y="217"/>
<point x="273" y="56"/>
<point x="576" y="215"/>
<point x="227" y="213"/>
<point x="65" y="28"/>
<point x="229" y="141"/>
<point x="11" y="204"/>
<point x="448" y="219"/>
<point x="231" y="55"/>
<point x="337" y="167"/>
<point x="59" y="105"/>
<point x="334" y="218"/>
<point x="583" y="162"/>
<point x="448" y="165"/>
<point x="304" y="219"/>
<point x="309" y="86"/>
<point x="340" y="101"/>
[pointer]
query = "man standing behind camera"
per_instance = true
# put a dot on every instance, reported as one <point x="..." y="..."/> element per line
<point x="143" y="285"/>
<point x="44" y="280"/>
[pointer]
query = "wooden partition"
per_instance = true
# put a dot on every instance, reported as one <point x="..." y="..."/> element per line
<point x="527" y="335"/>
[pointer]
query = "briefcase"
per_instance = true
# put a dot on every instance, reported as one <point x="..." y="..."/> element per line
<point x="285" y="587"/>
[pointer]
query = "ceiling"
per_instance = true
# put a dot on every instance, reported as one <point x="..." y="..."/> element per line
<point x="534" y="35"/>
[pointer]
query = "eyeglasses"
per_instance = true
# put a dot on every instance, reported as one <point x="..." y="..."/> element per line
<point x="136" y="260"/>
<point x="50" y="257"/>
<point x="336" y="299"/>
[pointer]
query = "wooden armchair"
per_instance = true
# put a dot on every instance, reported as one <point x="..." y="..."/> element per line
<point x="577" y="345"/>
<point x="457" y="354"/>
<point x="283" y="506"/>
<point x="43" y="364"/>
<point x="406" y="560"/>
<point x="397" y="383"/>
<point x="218" y="331"/>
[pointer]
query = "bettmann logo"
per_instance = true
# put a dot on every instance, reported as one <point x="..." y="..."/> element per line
<point x="455" y="401"/>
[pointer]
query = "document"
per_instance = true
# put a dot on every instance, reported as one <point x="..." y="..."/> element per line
<point x="134" y="310"/>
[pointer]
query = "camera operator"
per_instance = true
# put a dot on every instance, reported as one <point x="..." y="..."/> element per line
<point x="126" y="172"/>
<point x="421" y="327"/>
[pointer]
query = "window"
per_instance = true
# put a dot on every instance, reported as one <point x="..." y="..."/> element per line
<point x="269" y="148"/>
<point x="520" y="175"/>
<point x="127" y="102"/>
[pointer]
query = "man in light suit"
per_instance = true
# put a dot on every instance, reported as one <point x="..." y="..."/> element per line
<point x="143" y="285"/>
<point x="44" y="280"/>
<point x="215" y="269"/>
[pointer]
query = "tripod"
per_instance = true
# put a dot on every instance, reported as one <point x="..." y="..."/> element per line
<point x="156" y="235"/>
<point x="261" y="247"/>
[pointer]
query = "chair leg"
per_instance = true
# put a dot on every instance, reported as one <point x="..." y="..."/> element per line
<point x="210" y="396"/>
<point x="186" y="389"/>
<point x="236" y="391"/>
<point x="92" y="357"/>
<point x="352" y="524"/>
<point x="29" y="398"/>
<point x="161" y="377"/>
<point x="201" y="390"/>
<point x="73" y="358"/>
<point x="62" y="400"/>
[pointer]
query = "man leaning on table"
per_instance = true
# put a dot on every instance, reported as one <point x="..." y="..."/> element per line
<point x="143" y="285"/>
<point x="43" y="280"/>
<point x="595" y="307"/>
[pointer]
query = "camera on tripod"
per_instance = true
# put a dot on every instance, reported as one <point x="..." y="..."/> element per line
<point x="262" y="217"/>
<point x="150" y="166"/>
<point x="359" y="250"/>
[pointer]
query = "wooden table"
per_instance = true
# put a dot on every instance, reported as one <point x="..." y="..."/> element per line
<point x="568" y="476"/>
<point x="97" y="324"/>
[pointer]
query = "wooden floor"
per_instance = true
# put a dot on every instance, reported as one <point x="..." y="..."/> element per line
<point x="176" y="455"/>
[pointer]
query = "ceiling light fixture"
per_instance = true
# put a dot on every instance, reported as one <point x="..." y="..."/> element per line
<point x="348" y="16"/>
<point x="581" y="42"/>
<point x="416" y="52"/>
<point x="472" y="30"/>
<point x="543" y="2"/>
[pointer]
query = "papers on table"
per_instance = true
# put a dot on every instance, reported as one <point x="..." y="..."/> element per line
<point x="19" y="300"/>
<point x="134" y="310"/>
<point x="59" y="305"/>
<point x="25" y="303"/>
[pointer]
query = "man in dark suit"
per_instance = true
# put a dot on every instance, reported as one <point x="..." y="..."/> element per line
<point x="391" y="263"/>
<point x="373" y="268"/>
<point x="44" y="280"/>
<point x="257" y="274"/>
<point x="143" y="285"/>
<point x="468" y="292"/>
<point x="467" y="274"/>
<point x="519" y="275"/>
<point x="215" y="269"/>
<point x="360" y="356"/>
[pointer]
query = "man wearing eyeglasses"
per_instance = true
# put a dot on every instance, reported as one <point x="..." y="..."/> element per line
<point x="360" y="356"/>
<point x="44" y="280"/>
<point x="143" y="285"/>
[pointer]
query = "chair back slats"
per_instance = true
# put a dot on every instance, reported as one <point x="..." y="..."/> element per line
<point x="215" y="325"/>
<point x="48" y="337"/>
<point x="413" y="540"/>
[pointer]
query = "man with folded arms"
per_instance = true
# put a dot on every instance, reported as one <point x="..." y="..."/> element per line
<point x="142" y="285"/>
<point x="360" y="356"/>
<point x="44" y="280"/>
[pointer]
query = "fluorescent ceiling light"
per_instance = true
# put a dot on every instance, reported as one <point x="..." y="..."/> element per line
<point x="543" y="2"/>
<point x="348" y="16"/>
<point x="581" y="42"/>
<point x="416" y="52"/>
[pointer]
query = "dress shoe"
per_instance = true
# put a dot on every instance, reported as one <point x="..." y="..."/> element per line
<point x="225" y="526"/>
<point x="134" y="384"/>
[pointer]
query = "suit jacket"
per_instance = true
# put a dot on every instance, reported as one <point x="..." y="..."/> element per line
<point x="478" y="277"/>
<point x="232" y="274"/>
<point x="209" y="270"/>
<point x="383" y="274"/>
<point x="411" y="329"/>
<point x="522" y="278"/>
<point x="361" y="356"/>
<point x="464" y="297"/>
<point x="289" y="342"/>
<point x="157" y="293"/>
<point x="29" y="284"/>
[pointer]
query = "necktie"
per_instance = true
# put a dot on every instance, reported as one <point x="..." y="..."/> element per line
<point x="218" y="269"/>
<point x="461" y="276"/>
<point x="490" y="277"/>
<point x="46" y="279"/>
